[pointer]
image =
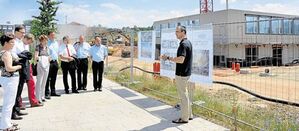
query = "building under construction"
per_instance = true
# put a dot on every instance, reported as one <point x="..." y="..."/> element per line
<point x="248" y="37"/>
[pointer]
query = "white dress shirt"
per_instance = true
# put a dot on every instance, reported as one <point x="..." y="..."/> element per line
<point x="17" y="48"/>
<point x="63" y="51"/>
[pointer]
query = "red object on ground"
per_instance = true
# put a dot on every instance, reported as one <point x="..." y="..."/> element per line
<point x="156" y="67"/>
<point x="237" y="67"/>
<point x="233" y="65"/>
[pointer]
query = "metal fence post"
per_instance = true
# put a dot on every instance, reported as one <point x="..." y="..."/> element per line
<point x="132" y="56"/>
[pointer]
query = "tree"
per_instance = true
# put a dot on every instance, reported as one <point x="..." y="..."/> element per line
<point x="36" y="28"/>
<point x="27" y="22"/>
<point x="45" y="22"/>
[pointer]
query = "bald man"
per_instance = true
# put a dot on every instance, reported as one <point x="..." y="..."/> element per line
<point x="82" y="49"/>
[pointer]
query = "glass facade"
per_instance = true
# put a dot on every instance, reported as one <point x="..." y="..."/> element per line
<point x="276" y="26"/>
<point x="287" y="26"/>
<point x="296" y="27"/>
<point x="251" y="53"/>
<point x="264" y="25"/>
<point x="251" y="24"/>
<point x="171" y="25"/>
<point x="255" y="24"/>
<point x="184" y="23"/>
<point x="164" y="26"/>
<point x="271" y="25"/>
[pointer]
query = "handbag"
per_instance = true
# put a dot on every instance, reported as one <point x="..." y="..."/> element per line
<point x="34" y="69"/>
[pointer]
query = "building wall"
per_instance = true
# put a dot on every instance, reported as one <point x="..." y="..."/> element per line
<point x="290" y="53"/>
<point x="265" y="51"/>
<point x="221" y="50"/>
<point x="229" y="30"/>
<point x="236" y="51"/>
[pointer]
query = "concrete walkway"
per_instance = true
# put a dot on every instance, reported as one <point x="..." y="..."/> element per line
<point x="115" y="109"/>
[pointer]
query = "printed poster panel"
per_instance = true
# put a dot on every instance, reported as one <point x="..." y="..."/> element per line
<point x="146" y="46"/>
<point x="169" y="46"/>
<point x="202" y="43"/>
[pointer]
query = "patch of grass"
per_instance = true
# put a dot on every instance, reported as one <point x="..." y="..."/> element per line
<point x="225" y="101"/>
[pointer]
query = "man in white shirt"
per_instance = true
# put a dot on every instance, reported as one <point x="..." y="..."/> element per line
<point x="18" y="48"/>
<point x="66" y="54"/>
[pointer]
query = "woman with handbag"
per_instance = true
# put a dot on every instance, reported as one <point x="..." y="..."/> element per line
<point x="67" y="55"/>
<point x="42" y="60"/>
<point x="9" y="80"/>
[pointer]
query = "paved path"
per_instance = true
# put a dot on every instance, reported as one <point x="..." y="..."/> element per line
<point x="115" y="109"/>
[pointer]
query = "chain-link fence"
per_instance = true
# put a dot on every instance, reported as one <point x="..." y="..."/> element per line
<point x="255" y="75"/>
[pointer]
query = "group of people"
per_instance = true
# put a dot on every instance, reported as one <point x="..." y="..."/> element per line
<point x="16" y="69"/>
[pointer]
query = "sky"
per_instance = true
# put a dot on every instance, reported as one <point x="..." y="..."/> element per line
<point x="123" y="13"/>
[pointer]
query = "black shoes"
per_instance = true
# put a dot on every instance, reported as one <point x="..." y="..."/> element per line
<point x="99" y="89"/>
<point x="54" y="94"/>
<point x="19" y="113"/>
<point x="22" y="108"/>
<point x="179" y="121"/>
<point x="75" y="91"/>
<point x="48" y="97"/>
<point x="14" y="116"/>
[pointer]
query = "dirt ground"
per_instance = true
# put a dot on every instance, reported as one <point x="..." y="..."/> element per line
<point x="282" y="84"/>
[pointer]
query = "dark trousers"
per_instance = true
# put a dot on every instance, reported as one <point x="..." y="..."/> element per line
<point x="18" y="101"/>
<point x="65" y="70"/>
<point x="97" y="71"/>
<point x="82" y="69"/>
<point x="51" y="81"/>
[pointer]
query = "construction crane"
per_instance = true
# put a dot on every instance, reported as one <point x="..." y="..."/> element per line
<point x="206" y="6"/>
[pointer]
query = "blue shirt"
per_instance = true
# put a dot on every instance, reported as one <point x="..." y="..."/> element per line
<point x="53" y="49"/>
<point x="98" y="53"/>
<point x="82" y="50"/>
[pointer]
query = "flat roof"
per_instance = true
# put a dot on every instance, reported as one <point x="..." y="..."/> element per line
<point x="237" y="10"/>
